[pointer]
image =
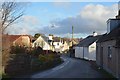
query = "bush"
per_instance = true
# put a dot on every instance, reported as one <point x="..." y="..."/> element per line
<point x="17" y="50"/>
<point x="36" y="51"/>
<point x="21" y="63"/>
<point x="18" y="64"/>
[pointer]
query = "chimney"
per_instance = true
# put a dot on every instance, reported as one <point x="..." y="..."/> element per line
<point x="94" y="33"/>
<point x="118" y="16"/>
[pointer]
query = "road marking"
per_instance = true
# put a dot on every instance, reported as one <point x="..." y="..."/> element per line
<point x="60" y="67"/>
<point x="43" y="74"/>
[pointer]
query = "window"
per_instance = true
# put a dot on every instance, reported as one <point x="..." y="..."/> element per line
<point x="109" y="51"/>
<point x="57" y="43"/>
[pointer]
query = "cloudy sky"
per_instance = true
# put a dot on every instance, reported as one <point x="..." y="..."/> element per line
<point x="58" y="18"/>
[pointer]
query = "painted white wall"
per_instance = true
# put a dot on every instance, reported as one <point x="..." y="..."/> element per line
<point x="65" y="46"/>
<point x="89" y="52"/>
<point x="58" y="48"/>
<point x="86" y="53"/>
<point x="50" y="37"/>
<point x="79" y="52"/>
<point x="38" y="42"/>
<point x="92" y="51"/>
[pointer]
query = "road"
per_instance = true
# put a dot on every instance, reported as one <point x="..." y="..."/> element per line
<point x="71" y="68"/>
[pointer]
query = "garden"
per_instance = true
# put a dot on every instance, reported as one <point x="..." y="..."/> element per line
<point x="26" y="61"/>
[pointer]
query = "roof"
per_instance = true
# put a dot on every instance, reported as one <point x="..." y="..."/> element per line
<point x="45" y="38"/>
<point x="66" y="39"/>
<point x="114" y="34"/>
<point x="88" y="41"/>
<point x="11" y="38"/>
<point x="56" y="39"/>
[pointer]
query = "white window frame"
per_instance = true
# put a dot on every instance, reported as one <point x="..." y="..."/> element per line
<point x="109" y="51"/>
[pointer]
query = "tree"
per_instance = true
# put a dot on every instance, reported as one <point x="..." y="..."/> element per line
<point x="9" y="13"/>
<point x="37" y="35"/>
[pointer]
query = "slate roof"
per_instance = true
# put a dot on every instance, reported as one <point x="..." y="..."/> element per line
<point x="56" y="39"/>
<point x="45" y="38"/>
<point x="114" y="34"/>
<point x="88" y="41"/>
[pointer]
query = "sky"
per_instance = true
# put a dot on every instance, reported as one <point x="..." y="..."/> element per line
<point x="57" y="18"/>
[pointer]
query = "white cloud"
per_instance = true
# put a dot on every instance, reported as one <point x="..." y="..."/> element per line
<point x="91" y="18"/>
<point x="28" y="25"/>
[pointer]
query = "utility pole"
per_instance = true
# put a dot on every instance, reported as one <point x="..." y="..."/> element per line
<point x="72" y="35"/>
<point x="71" y="53"/>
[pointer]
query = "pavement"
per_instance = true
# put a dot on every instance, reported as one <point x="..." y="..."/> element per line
<point x="71" y="68"/>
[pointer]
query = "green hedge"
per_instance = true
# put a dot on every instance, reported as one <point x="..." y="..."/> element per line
<point x="22" y="63"/>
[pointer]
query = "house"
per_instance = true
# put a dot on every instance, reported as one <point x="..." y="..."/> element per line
<point x="15" y="40"/>
<point x="108" y="48"/>
<point x="42" y="41"/>
<point x="73" y="41"/>
<point x="58" y="44"/>
<point x="23" y="40"/>
<point x="65" y="45"/>
<point x="87" y="47"/>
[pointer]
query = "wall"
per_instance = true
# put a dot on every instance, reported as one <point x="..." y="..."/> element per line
<point x="111" y="24"/>
<point x="98" y="46"/>
<point x="92" y="51"/>
<point x="23" y="41"/>
<point x="118" y="52"/>
<point x="40" y="42"/>
<point x="86" y="53"/>
<point x="79" y="52"/>
<point x="65" y="46"/>
<point x="109" y="64"/>
<point x="58" y="46"/>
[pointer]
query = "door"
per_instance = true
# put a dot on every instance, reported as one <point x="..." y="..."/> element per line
<point x="101" y="57"/>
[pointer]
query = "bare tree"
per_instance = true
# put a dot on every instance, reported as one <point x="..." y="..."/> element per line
<point x="9" y="13"/>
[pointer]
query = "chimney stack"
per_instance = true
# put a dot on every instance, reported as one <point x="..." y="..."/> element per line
<point x="118" y="16"/>
<point x="94" y="33"/>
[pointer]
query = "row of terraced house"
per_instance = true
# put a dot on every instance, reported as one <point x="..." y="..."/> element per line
<point x="46" y="43"/>
<point x="104" y="49"/>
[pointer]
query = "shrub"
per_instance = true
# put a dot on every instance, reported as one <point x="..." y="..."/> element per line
<point x="18" y="64"/>
<point x="17" y="50"/>
<point x="36" y="51"/>
<point x="42" y="58"/>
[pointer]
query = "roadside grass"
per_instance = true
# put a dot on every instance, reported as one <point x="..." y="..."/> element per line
<point x="97" y="68"/>
<point x="3" y="75"/>
<point x="104" y="72"/>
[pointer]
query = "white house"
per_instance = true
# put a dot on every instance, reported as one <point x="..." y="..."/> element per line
<point x="87" y="48"/>
<point x="65" y="46"/>
<point x="58" y="44"/>
<point x="42" y="41"/>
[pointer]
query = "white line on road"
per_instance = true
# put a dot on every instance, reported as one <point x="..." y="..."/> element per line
<point x="43" y="74"/>
<point x="60" y="67"/>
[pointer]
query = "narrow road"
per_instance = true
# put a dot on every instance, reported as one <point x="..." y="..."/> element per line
<point x="71" y="68"/>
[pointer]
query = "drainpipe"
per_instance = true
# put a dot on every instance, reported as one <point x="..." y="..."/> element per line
<point x="117" y="63"/>
<point x="83" y="52"/>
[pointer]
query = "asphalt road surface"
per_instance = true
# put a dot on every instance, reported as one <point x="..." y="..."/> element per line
<point x="71" y="68"/>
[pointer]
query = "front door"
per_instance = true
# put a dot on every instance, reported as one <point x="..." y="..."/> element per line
<point x="101" y="56"/>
